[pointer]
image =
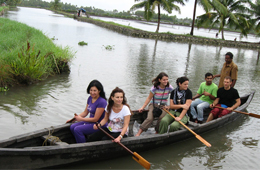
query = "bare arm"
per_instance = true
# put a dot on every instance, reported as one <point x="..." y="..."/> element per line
<point x="233" y="83"/>
<point x="102" y="122"/>
<point x="184" y="111"/>
<point x="238" y="102"/>
<point x="210" y="95"/>
<point x="214" y="103"/>
<point x="216" y="75"/>
<point x="179" y="106"/>
<point x="126" y="123"/>
<point x="148" y="99"/>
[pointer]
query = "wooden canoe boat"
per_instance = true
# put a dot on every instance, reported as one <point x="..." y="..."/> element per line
<point x="26" y="151"/>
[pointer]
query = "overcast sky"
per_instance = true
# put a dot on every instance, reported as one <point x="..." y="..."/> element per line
<point x="120" y="5"/>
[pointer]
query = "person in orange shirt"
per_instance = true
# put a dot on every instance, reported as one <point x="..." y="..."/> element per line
<point x="229" y="69"/>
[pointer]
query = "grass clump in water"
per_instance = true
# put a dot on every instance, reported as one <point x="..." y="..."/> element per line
<point x="109" y="47"/>
<point x="27" y="55"/>
<point x="81" y="43"/>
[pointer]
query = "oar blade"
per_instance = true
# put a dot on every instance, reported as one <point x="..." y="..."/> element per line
<point x="254" y="115"/>
<point x="141" y="160"/>
<point x="203" y="140"/>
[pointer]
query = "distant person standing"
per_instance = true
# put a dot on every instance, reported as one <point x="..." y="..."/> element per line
<point x="229" y="69"/>
<point x="216" y="35"/>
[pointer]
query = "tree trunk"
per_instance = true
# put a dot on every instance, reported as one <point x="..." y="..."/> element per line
<point x="222" y="33"/>
<point x="193" y="20"/>
<point x="159" y="18"/>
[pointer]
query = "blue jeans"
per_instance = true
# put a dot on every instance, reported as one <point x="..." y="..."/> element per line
<point x="201" y="105"/>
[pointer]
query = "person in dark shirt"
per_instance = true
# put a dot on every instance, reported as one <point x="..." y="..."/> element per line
<point x="227" y="97"/>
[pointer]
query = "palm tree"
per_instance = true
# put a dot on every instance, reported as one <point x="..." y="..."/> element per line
<point x="231" y="13"/>
<point x="149" y="7"/>
<point x="205" y="4"/>
<point x="255" y="11"/>
<point x="56" y="4"/>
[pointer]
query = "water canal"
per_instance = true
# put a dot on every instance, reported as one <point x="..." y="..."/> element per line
<point x="131" y="65"/>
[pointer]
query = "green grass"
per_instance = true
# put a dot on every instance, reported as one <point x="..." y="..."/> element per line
<point x="3" y="7"/>
<point x="81" y="43"/>
<point x="27" y="55"/>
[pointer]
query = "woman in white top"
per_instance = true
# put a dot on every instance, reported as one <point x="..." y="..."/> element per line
<point x="118" y="113"/>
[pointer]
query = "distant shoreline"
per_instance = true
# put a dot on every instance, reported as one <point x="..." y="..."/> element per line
<point x="134" y="32"/>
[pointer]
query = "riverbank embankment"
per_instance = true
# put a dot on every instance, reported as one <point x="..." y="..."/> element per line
<point x="27" y="55"/>
<point x="130" y="31"/>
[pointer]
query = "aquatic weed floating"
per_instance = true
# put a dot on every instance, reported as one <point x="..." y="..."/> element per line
<point x="109" y="47"/>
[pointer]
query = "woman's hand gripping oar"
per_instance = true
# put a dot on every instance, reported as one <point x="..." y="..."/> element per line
<point x="136" y="156"/>
<point x="249" y="114"/>
<point x="73" y="119"/>
<point x="196" y="135"/>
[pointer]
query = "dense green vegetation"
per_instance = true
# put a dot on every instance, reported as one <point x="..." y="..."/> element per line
<point x="137" y="15"/>
<point x="27" y="55"/>
<point x="11" y="2"/>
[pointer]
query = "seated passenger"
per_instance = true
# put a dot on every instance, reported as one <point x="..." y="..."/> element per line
<point x="227" y="97"/>
<point x="180" y="101"/>
<point x="96" y="105"/>
<point x="158" y="95"/>
<point x="205" y="96"/>
<point x="118" y="113"/>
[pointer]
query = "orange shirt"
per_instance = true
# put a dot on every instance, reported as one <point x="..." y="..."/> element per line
<point x="228" y="70"/>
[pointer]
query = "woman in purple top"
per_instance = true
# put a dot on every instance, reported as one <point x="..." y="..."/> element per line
<point x="95" y="108"/>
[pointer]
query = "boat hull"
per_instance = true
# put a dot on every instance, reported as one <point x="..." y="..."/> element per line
<point x="26" y="151"/>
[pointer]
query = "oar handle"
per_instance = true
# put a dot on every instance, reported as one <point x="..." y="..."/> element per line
<point x="249" y="114"/>
<point x="114" y="139"/>
<point x="71" y="120"/>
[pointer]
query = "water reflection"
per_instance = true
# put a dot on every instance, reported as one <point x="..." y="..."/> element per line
<point x="132" y="65"/>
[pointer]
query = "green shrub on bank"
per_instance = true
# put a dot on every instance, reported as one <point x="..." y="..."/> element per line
<point x="2" y="8"/>
<point x="29" y="54"/>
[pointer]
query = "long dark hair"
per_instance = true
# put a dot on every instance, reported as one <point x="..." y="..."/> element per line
<point x="99" y="86"/>
<point x="111" y="102"/>
<point x="181" y="80"/>
<point x="156" y="82"/>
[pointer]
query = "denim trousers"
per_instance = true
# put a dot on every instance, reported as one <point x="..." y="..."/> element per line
<point x="201" y="105"/>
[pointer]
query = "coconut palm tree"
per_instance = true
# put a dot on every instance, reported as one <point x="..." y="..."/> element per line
<point x="205" y="4"/>
<point x="255" y="11"/>
<point x="150" y="5"/>
<point x="226" y="13"/>
<point x="56" y="5"/>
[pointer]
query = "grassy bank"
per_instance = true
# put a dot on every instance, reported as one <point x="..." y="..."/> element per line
<point x="2" y="9"/>
<point x="27" y="55"/>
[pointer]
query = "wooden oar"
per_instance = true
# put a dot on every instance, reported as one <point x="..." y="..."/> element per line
<point x="249" y="114"/>
<point x="196" y="135"/>
<point x="71" y="120"/>
<point x="136" y="156"/>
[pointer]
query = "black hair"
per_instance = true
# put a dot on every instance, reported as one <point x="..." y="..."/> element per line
<point x="181" y="80"/>
<point x="99" y="86"/>
<point x="156" y="82"/>
<point x="208" y="74"/>
<point x="230" y="55"/>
